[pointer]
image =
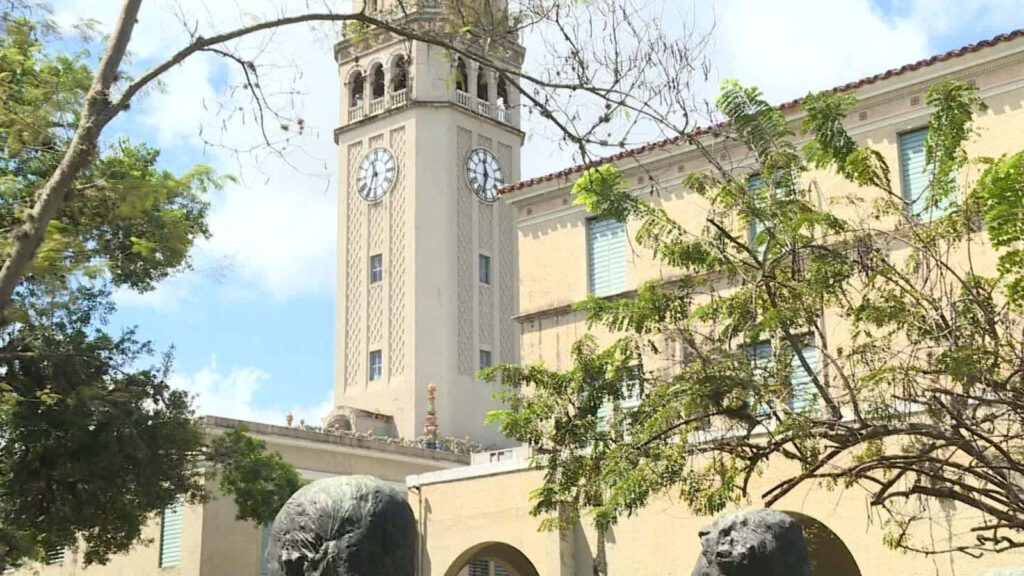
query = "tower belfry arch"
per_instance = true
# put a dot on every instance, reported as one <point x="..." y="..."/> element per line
<point x="426" y="251"/>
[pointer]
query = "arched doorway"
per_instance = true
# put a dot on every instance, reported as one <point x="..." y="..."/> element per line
<point x="492" y="559"/>
<point x="829" y="555"/>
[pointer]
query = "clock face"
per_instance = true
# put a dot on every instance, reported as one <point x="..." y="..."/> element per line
<point x="376" y="174"/>
<point x="484" y="174"/>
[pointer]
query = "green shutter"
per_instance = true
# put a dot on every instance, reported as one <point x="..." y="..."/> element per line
<point x="170" y="534"/>
<point x="606" y="256"/>
<point x="602" y="418"/>
<point x="916" y="175"/>
<point x="54" y="555"/>
<point x="264" y="550"/>
<point x="760" y="355"/>
<point x="803" y="394"/>
<point x="479" y="567"/>
<point x="755" y="182"/>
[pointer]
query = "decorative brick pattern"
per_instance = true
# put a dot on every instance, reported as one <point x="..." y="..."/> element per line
<point x="395" y="265"/>
<point x="355" y="295"/>
<point x="485" y="316"/>
<point x="465" y="203"/>
<point x="485" y="226"/>
<point x="506" y="285"/>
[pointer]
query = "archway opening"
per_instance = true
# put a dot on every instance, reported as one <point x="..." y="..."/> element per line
<point x="492" y="559"/>
<point x="461" y="75"/>
<point x="377" y="75"/>
<point x="483" y="85"/>
<point x="355" y="90"/>
<point x="502" y="93"/>
<point x="399" y="75"/>
<point x="828" y="553"/>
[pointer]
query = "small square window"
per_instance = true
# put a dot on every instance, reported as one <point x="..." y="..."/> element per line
<point x="376" y="365"/>
<point x="376" y="268"/>
<point x="486" y="361"/>
<point x="485" y="269"/>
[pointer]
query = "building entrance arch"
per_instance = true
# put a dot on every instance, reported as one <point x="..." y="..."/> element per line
<point x="492" y="559"/>
<point x="828" y="553"/>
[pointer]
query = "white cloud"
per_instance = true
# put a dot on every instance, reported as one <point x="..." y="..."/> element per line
<point x="240" y="393"/>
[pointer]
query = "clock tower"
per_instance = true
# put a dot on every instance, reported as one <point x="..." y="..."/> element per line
<point x="427" y="284"/>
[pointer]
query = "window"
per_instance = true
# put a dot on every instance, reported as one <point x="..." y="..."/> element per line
<point x="485" y="359"/>
<point x="264" y="549"/>
<point x="376" y="268"/>
<point x="916" y="176"/>
<point x="479" y="567"/>
<point x="170" y="534"/>
<point x="606" y="256"/>
<point x="54" y="555"/>
<point x="485" y="269"/>
<point x="755" y="182"/>
<point x="802" y="394"/>
<point x="376" y="365"/>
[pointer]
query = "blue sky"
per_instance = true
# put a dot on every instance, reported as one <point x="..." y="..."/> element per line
<point x="253" y="324"/>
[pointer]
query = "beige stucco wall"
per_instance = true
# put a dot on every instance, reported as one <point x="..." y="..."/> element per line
<point x="457" y="517"/>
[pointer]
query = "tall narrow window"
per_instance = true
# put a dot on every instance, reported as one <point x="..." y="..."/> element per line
<point x="376" y="268"/>
<point x="486" y="360"/>
<point x="755" y="183"/>
<point x="606" y="256"/>
<point x="264" y="549"/>
<point x="485" y="269"/>
<point x="802" y="393"/>
<point x="376" y="365"/>
<point x="916" y="176"/>
<point x="760" y="355"/>
<point x="170" y="534"/>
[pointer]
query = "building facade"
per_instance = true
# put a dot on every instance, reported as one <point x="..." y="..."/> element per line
<point x="565" y="255"/>
<point x="426" y="255"/>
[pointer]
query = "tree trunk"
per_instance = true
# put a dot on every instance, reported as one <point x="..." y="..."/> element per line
<point x="59" y="188"/>
<point x="600" y="558"/>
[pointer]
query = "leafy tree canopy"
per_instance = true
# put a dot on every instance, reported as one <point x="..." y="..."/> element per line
<point x="93" y="442"/>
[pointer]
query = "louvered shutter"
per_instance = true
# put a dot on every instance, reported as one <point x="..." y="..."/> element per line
<point x="803" y="395"/>
<point x="264" y="549"/>
<point x="606" y="256"/>
<point x="760" y="355"/>
<point x="755" y="182"/>
<point x="479" y="567"/>
<point x="54" y="555"/>
<point x="170" y="534"/>
<point x="500" y="570"/>
<point x="602" y="418"/>
<point x="916" y="175"/>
